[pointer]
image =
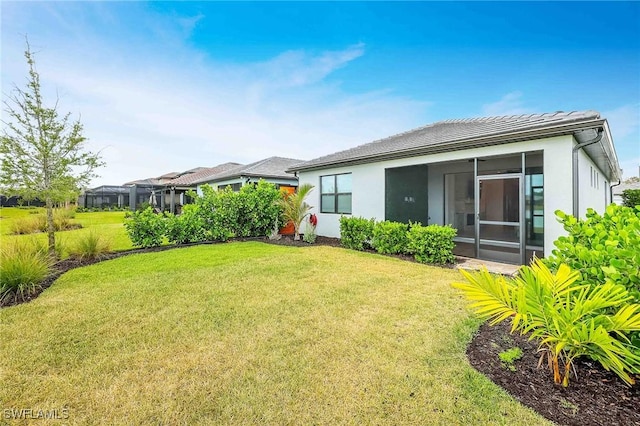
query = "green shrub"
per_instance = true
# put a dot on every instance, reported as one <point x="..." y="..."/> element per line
<point x="390" y="237"/>
<point x="139" y="208"/>
<point x="145" y="228"/>
<point x="631" y="197"/>
<point x="90" y="246"/>
<point x="23" y="267"/>
<point x="250" y="212"/>
<point x="258" y="210"/>
<point x="601" y="248"/>
<point x="431" y="244"/>
<point x="356" y="232"/>
<point x="569" y="318"/>
<point x="219" y="211"/>
<point x="189" y="227"/>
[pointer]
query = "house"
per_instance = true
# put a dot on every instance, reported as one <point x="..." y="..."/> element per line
<point x="498" y="180"/>
<point x="173" y="194"/>
<point x="272" y="169"/>
<point x="105" y="196"/>
<point x="147" y="190"/>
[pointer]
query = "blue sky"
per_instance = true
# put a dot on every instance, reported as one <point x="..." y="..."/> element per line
<point x="169" y="86"/>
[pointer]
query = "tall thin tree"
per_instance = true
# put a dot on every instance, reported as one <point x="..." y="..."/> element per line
<point x="42" y="154"/>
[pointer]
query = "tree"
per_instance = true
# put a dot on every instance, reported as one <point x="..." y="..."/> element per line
<point x="295" y="209"/>
<point x="42" y="154"/>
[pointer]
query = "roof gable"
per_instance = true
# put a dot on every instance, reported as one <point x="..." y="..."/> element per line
<point x="272" y="167"/>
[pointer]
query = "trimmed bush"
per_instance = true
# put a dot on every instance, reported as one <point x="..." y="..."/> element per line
<point x="356" y="232"/>
<point x="390" y="237"/>
<point x="258" y="209"/>
<point x="431" y="244"/>
<point x="23" y="267"/>
<point x="189" y="227"/>
<point x="145" y="228"/>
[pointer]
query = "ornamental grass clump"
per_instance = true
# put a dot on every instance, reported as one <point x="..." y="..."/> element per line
<point x="23" y="267"/>
<point x="568" y="318"/>
<point x="90" y="246"/>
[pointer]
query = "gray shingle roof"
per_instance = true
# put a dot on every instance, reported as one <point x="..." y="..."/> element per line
<point x="272" y="167"/>
<point x="190" y="177"/>
<point x="450" y="135"/>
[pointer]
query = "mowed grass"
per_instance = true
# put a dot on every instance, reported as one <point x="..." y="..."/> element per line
<point x="250" y="333"/>
<point x="109" y="225"/>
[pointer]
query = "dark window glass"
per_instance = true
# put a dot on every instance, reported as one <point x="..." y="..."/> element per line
<point x="335" y="193"/>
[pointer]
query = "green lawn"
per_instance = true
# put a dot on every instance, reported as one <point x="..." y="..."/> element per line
<point x="250" y="333"/>
<point x="107" y="224"/>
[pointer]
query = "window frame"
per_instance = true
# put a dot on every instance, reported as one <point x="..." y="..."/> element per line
<point x="335" y="194"/>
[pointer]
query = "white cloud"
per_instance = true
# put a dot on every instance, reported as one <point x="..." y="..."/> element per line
<point x="149" y="119"/>
<point x="510" y="104"/>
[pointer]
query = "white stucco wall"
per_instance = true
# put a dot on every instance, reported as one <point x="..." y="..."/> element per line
<point x="594" y="192"/>
<point x="368" y="180"/>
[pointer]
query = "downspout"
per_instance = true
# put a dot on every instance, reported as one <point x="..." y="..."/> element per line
<point x="611" y="189"/>
<point x="578" y="147"/>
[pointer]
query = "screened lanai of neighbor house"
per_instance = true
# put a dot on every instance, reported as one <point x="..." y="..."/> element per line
<point x="497" y="180"/>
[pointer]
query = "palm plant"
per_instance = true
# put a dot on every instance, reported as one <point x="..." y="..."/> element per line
<point x="569" y="319"/>
<point x="295" y="208"/>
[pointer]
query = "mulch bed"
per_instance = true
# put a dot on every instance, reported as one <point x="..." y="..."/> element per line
<point x="595" y="397"/>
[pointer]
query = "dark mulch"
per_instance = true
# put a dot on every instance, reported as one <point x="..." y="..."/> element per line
<point x="595" y="397"/>
<point x="287" y="240"/>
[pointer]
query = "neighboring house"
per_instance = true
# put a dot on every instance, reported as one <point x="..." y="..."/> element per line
<point x="272" y="169"/>
<point x="619" y="189"/>
<point x="174" y="192"/>
<point x="498" y="180"/>
<point x="146" y="190"/>
<point x="105" y="196"/>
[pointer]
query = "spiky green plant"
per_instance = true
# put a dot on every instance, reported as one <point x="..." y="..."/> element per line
<point x="22" y="268"/>
<point x="568" y="318"/>
<point x="295" y="208"/>
<point x="90" y="246"/>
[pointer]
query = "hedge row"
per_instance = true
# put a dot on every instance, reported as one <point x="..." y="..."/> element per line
<point x="214" y="216"/>
<point x="428" y="244"/>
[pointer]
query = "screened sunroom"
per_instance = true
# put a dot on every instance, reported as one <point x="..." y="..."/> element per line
<point x="496" y="203"/>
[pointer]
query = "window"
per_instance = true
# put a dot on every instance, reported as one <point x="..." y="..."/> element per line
<point x="335" y="193"/>
<point x="235" y="187"/>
